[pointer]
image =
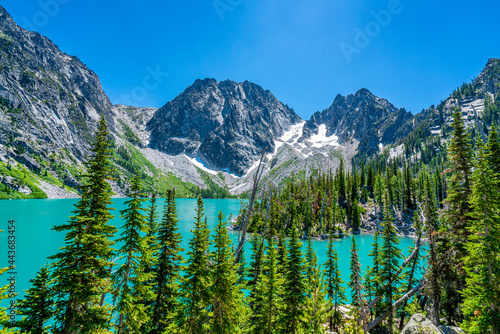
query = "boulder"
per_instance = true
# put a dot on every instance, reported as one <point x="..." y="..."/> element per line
<point x="451" y="330"/>
<point x="419" y="324"/>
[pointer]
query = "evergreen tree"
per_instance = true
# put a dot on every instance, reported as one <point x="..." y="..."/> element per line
<point x="389" y="263"/>
<point x="355" y="278"/>
<point x="334" y="286"/>
<point x="130" y="277"/>
<point x="373" y="277"/>
<point x="493" y="148"/>
<point x="166" y="279"/>
<point x="316" y="310"/>
<point x="226" y="294"/>
<point x="148" y="263"/>
<point x="433" y="274"/>
<point x="82" y="267"/>
<point x="456" y="233"/>
<point x="282" y="253"/>
<point x="355" y="216"/>
<point x="37" y="307"/>
<point x="269" y="291"/>
<point x="195" y="289"/>
<point x="481" y="305"/>
<point x="358" y="304"/>
<point x="294" y="287"/>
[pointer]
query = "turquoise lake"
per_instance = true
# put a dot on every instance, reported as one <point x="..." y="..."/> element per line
<point x="35" y="239"/>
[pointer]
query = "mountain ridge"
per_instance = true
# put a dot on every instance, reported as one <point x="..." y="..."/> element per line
<point x="210" y="135"/>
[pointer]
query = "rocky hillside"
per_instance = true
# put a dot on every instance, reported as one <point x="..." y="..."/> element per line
<point x="362" y="116"/>
<point x="225" y="125"/>
<point x="49" y="100"/>
<point x="479" y="102"/>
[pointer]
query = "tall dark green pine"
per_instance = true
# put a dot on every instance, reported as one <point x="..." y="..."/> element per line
<point x="37" y="307"/>
<point x="389" y="263"/>
<point x="195" y="288"/>
<point x="493" y="148"/>
<point x="456" y="233"/>
<point x="481" y="305"/>
<point x="374" y="273"/>
<point x="341" y="181"/>
<point x="294" y="287"/>
<point x="166" y="308"/>
<point x="227" y="297"/>
<point x="282" y="255"/>
<point x="268" y="291"/>
<point x="433" y="273"/>
<point x="149" y="262"/>
<point x="334" y="286"/>
<point x="129" y="279"/>
<point x="81" y="269"/>
<point x="257" y="244"/>
<point x="355" y="279"/>
<point x="355" y="216"/>
<point x="316" y="311"/>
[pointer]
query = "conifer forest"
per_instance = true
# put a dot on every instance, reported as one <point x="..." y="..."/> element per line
<point x="451" y="206"/>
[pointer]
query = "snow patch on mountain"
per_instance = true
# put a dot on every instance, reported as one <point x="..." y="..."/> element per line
<point x="320" y="140"/>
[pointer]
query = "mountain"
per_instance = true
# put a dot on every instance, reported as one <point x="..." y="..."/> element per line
<point x="225" y="125"/>
<point x="479" y="102"/>
<point x="363" y="117"/>
<point x="209" y="138"/>
<point x="50" y="100"/>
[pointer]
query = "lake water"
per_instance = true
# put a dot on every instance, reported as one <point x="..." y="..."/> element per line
<point x="35" y="240"/>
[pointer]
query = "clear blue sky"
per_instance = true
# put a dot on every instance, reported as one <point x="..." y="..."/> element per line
<point x="414" y="58"/>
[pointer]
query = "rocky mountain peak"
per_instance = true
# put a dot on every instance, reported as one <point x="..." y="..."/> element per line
<point x="57" y="100"/>
<point x="489" y="79"/>
<point x="223" y="124"/>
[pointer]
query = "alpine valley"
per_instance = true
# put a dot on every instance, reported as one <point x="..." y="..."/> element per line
<point x="209" y="138"/>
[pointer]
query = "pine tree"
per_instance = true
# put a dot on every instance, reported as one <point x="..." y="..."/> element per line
<point x="148" y="263"/>
<point x="433" y="274"/>
<point x="269" y="290"/>
<point x="481" y="305"/>
<point x="334" y="286"/>
<point x="456" y="233"/>
<point x="257" y="244"/>
<point x="389" y="263"/>
<point x="226" y="294"/>
<point x="294" y="287"/>
<point x="493" y="148"/>
<point x="282" y="253"/>
<point x="355" y="278"/>
<point x="316" y="310"/>
<point x="130" y="277"/>
<point x="37" y="307"/>
<point x="195" y="288"/>
<point x="355" y="216"/>
<point x="166" y="279"/>
<point x="82" y="267"/>
<point x="374" y="273"/>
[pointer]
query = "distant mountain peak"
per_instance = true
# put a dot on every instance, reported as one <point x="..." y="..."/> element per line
<point x="225" y="124"/>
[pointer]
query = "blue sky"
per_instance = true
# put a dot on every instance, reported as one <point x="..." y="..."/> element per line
<point x="414" y="53"/>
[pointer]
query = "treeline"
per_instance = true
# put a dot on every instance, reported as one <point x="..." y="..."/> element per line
<point x="325" y="203"/>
